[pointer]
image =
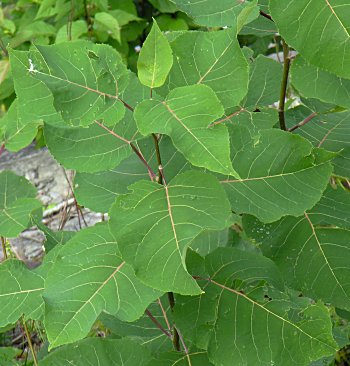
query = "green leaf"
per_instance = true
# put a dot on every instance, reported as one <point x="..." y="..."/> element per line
<point x="99" y="280"/>
<point x="8" y="356"/>
<point x="54" y="238"/>
<point x="78" y="28"/>
<point x="32" y="31"/>
<point x="101" y="352"/>
<point x="210" y="58"/>
<point x="312" y="250"/>
<point x="164" y="6"/>
<point x="86" y="149"/>
<point x="17" y="202"/>
<point x="208" y="241"/>
<point x="21" y="289"/>
<point x="144" y="330"/>
<point x="155" y="225"/>
<point x="254" y="121"/>
<point x="98" y="191"/>
<point x="186" y="116"/>
<point x="108" y="23"/>
<point x="155" y="59"/>
<point x="167" y="22"/>
<point x="18" y="133"/>
<point x="264" y="82"/>
<point x="319" y="30"/>
<point x="95" y="149"/>
<point x="6" y="81"/>
<point x="229" y="264"/>
<point x="47" y="9"/>
<point x="86" y="80"/>
<point x="313" y="82"/>
<point x="250" y="323"/>
<point x="260" y="27"/>
<point x="332" y="209"/>
<point x="32" y="106"/>
<point x="216" y="14"/>
<point x="124" y="17"/>
<point x="280" y="174"/>
<point x="331" y="131"/>
<point x="20" y="292"/>
<point x="273" y="337"/>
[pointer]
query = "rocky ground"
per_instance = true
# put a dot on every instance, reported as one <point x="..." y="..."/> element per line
<point x="53" y="185"/>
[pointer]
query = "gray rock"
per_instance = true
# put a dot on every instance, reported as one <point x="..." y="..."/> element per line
<point x="39" y="167"/>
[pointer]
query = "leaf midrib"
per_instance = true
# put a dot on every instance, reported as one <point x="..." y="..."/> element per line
<point x="271" y="176"/>
<point x="104" y="283"/>
<point x="239" y="294"/>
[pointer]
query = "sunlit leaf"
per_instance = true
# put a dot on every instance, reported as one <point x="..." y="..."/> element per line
<point x="312" y="250"/>
<point x="319" y="30"/>
<point x="186" y="116"/>
<point x="174" y="214"/>
<point x="155" y="59"/>
<point x="17" y="202"/>
<point x="87" y="278"/>
<point x="101" y="352"/>
<point x="224" y="68"/>
<point x="280" y="174"/>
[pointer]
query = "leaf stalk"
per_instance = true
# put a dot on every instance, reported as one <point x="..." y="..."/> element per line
<point x="29" y="340"/>
<point x="282" y="102"/>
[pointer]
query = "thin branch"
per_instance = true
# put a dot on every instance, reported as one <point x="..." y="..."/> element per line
<point x="176" y="337"/>
<point x="156" y="322"/>
<point x="112" y="132"/>
<point x="77" y="207"/>
<point x="304" y="122"/>
<point x="3" y="244"/>
<point x="275" y="37"/>
<point x="159" y="159"/>
<point x="88" y="18"/>
<point x="228" y="117"/>
<point x="183" y="342"/>
<point x="325" y="137"/>
<point x="164" y="314"/>
<point x="70" y="20"/>
<point x="29" y="340"/>
<point x="265" y="15"/>
<point x="151" y="173"/>
<point x="284" y="84"/>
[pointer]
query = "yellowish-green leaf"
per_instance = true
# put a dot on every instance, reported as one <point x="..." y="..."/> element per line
<point x="155" y="59"/>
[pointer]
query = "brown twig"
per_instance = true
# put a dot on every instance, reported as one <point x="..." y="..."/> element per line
<point x="176" y="337"/>
<point x="159" y="159"/>
<point x="77" y="206"/>
<point x="164" y="314"/>
<point x="88" y="18"/>
<point x="304" y="122"/>
<point x="156" y="322"/>
<point x="151" y="173"/>
<point x="265" y="15"/>
<point x="70" y="20"/>
<point x="228" y="117"/>
<point x="30" y="344"/>
<point x="284" y="84"/>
